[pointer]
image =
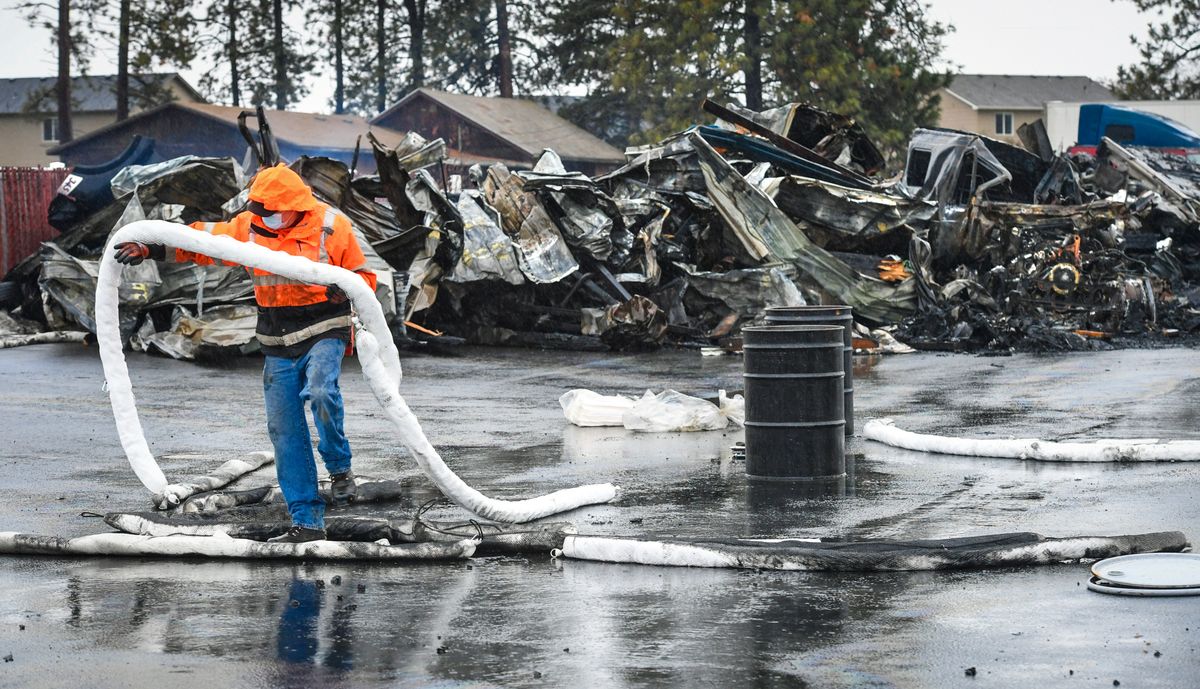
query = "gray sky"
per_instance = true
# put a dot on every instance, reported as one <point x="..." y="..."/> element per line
<point x="1065" y="37"/>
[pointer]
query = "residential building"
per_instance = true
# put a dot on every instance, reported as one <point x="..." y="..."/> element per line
<point x="28" y="113"/>
<point x="513" y="131"/>
<point x="996" y="105"/>
<point x="202" y="129"/>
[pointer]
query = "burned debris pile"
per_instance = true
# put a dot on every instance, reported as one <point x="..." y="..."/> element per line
<point x="1068" y="253"/>
<point x="973" y="245"/>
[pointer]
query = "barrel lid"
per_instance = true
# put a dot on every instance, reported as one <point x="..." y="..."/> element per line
<point x="1151" y="570"/>
<point x="793" y="328"/>
<point x="1101" y="586"/>
<point x="807" y="307"/>
<point x="828" y="317"/>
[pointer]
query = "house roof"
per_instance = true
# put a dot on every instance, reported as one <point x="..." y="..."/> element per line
<point x="92" y="93"/>
<point x="519" y="122"/>
<point x="307" y="128"/>
<point x="1024" y="92"/>
<point x="303" y="129"/>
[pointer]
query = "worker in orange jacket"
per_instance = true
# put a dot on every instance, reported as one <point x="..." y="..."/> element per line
<point x="304" y="331"/>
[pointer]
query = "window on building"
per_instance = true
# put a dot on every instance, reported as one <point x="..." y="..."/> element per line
<point x="50" y="129"/>
<point x="1004" y="123"/>
<point x="1121" y="133"/>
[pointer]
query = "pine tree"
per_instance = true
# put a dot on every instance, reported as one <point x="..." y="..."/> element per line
<point x="488" y="47"/>
<point x="370" y="51"/>
<point x="73" y="44"/>
<point x="257" y="57"/>
<point x="150" y="34"/>
<point x="753" y="13"/>
<point x="647" y="64"/>
<point x="417" y="18"/>
<point x="581" y="34"/>
<point x="870" y="59"/>
<point x="1170" y="66"/>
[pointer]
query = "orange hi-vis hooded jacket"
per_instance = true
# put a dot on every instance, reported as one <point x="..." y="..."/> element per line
<point x="292" y="315"/>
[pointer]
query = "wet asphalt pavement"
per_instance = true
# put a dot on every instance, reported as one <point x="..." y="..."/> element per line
<point x="537" y="622"/>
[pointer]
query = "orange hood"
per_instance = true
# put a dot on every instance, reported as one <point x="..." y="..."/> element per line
<point x="279" y="189"/>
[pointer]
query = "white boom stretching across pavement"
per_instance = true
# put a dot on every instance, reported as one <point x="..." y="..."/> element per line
<point x="376" y="352"/>
<point x="1108" y="450"/>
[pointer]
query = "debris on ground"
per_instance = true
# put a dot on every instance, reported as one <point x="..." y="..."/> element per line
<point x="975" y="245"/>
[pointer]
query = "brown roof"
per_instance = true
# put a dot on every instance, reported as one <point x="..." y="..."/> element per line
<point x="301" y="128"/>
<point x="465" y="159"/>
<point x="522" y="123"/>
<point x="307" y="128"/>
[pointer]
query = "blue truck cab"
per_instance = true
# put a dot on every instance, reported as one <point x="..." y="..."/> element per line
<point x="1130" y="127"/>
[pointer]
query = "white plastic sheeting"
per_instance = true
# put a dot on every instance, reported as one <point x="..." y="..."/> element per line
<point x="587" y="408"/>
<point x="13" y="543"/>
<point x="1119" y="450"/>
<point x="377" y="354"/>
<point x="667" y="411"/>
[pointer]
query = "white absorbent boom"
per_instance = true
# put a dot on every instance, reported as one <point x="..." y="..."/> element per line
<point x="376" y="352"/>
<point x="1104" y="450"/>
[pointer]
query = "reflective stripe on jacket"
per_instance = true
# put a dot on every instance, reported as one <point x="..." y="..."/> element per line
<point x="324" y="235"/>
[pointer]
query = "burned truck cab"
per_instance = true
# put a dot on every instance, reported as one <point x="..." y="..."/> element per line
<point x="955" y="169"/>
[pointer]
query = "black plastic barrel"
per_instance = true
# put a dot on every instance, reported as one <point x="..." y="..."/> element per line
<point x="794" y="403"/>
<point x="825" y="315"/>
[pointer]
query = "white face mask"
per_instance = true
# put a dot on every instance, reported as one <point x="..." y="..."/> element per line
<point x="273" y="221"/>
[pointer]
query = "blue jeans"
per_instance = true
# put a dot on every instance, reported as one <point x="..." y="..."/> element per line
<point x="287" y="385"/>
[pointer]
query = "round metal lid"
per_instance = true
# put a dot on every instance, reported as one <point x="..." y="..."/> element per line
<point x="1151" y="570"/>
<point x="1100" y="586"/>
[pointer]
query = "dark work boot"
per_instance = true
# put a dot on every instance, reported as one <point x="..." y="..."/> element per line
<point x="299" y="534"/>
<point x="342" y="487"/>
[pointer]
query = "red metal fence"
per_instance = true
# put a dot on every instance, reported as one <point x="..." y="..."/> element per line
<point x="25" y="195"/>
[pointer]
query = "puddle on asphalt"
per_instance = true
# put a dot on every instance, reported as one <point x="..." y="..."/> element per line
<point x="495" y="619"/>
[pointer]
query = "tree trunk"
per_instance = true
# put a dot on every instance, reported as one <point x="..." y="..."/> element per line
<point x="416" y="43"/>
<point x="380" y="57"/>
<point x="504" y="54"/>
<point x="62" y="88"/>
<point x="752" y="33"/>
<point x="281" y="83"/>
<point x="123" y="62"/>
<point x="339" y="91"/>
<point x="234" y="86"/>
